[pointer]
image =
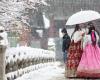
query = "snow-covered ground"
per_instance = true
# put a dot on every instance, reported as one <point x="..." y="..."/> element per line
<point x="46" y="73"/>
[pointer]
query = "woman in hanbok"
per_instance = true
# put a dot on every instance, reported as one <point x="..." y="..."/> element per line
<point x="75" y="52"/>
<point x="89" y="66"/>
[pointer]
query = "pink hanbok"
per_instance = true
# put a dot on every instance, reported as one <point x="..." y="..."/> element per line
<point x="89" y="66"/>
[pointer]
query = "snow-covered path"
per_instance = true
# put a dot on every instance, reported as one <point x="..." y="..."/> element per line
<point x="46" y="73"/>
<point x="54" y="71"/>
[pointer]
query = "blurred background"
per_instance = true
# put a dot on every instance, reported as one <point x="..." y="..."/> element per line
<point x="35" y="38"/>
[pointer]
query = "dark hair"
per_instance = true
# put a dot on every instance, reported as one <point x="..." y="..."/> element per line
<point x="64" y="30"/>
<point x="91" y="28"/>
<point x="93" y="35"/>
<point x="77" y="27"/>
<point x="90" y="24"/>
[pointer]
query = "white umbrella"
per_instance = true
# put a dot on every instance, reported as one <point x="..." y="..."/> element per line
<point x="82" y="17"/>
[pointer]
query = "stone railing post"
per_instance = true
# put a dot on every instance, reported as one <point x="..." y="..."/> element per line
<point x="2" y="62"/>
<point x="3" y="46"/>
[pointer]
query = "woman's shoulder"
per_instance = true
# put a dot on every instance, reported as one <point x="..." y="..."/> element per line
<point x="78" y="33"/>
<point x="96" y="33"/>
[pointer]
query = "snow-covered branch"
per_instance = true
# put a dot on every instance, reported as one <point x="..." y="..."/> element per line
<point x="13" y="9"/>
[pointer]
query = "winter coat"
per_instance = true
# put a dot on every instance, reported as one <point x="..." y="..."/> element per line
<point x="66" y="42"/>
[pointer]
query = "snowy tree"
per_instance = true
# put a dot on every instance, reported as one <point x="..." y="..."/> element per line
<point x="12" y="10"/>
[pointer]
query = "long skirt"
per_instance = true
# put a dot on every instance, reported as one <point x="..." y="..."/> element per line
<point x="73" y="59"/>
<point x="89" y="66"/>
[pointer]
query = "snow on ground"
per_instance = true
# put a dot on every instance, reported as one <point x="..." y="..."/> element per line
<point x="46" y="73"/>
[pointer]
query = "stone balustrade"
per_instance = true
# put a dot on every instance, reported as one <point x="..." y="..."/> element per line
<point x="22" y="60"/>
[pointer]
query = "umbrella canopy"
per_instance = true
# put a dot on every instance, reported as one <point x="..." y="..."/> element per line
<point x="82" y="17"/>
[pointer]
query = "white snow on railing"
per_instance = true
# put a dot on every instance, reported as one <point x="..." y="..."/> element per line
<point x="21" y="60"/>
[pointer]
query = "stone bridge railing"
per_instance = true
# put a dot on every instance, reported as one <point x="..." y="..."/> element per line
<point x="22" y="60"/>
